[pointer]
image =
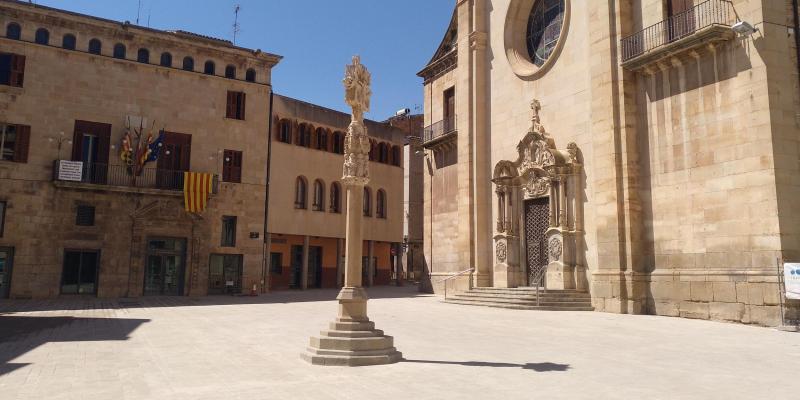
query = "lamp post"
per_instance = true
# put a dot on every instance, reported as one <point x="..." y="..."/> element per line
<point x="352" y="339"/>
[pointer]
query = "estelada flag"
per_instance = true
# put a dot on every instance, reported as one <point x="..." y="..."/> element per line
<point x="196" y="188"/>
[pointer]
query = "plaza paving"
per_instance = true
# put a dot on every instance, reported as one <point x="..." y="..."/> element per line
<point x="248" y="348"/>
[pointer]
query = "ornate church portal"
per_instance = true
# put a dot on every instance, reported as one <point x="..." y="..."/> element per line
<point x="539" y="234"/>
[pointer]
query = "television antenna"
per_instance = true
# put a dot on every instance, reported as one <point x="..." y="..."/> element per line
<point x="236" y="26"/>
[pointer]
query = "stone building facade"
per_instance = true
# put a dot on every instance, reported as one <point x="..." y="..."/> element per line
<point x="70" y="85"/>
<point x="306" y="205"/>
<point x="645" y="152"/>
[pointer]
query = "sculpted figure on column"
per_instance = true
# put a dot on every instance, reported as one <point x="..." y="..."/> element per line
<point x="356" y="144"/>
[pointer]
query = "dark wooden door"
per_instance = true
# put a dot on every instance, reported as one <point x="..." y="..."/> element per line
<point x="90" y="144"/>
<point x="174" y="159"/>
<point x="6" y="264"/>
<point x="682" y="19"/>
<point x="537" y="220"/>
<point x="449" y="109"/>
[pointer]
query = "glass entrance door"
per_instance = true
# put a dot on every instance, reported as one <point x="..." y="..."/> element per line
<point x="6" y="256"/>
<point x="79" y="275"/>
<point x="164" y="269"/>
<point x="225" y="274"/>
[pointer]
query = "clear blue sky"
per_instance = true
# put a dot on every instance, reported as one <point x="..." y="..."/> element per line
<point x="316" y="37"/>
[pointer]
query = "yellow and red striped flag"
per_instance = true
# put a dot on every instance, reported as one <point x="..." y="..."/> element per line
<point x="196" y="188"/>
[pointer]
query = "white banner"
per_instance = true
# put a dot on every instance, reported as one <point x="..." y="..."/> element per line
<point x="791" y="279"/>
<point x="70" y="170"/>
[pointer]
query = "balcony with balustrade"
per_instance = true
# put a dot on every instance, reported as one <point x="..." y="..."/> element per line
<point x="119" y="178"/>
<point x="706" y="23"/>
<point x="439" y="132"/>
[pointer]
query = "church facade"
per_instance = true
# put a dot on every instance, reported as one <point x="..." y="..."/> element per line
<point x="643" y="152"/>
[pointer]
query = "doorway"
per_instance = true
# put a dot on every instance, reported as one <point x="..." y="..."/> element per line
<point x="90" y="145"/>
<point x="79" y="275"/>
<point x="6" y="265"/>
<point x="314" y="267"/>
<point x="225" y="274"/>
<point x="164" y="268"/>
<point x="296" y="267"/>
<point x="174" y="159"/>
<point x="537" y="221"/>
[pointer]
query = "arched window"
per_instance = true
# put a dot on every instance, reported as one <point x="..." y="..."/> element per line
<point x="544" y="28"/>
<point x="95" y="46"/>
<point x="373" y="148"/>
<point x="188" y="64"/>
<point x="336" y="198"/>
<point x="209" y="68"/>
<point x="383" y="153"/>
<point x="143" y="56"/>
<point x="285" y="131"/>
<point x="338" y="143"/>
<point x="230" y="72"/>
<point x="250" y="75"/>
<point x="367" y="202"/>
<point x="68" y="41"/>
<point x="300" y="193"/>
<point x="42" y="36"/>
<point x="380" y="204"/>
<point x="166" y="59"/>
<point x="322" y="139"/>
<point x="119" y="51"/>
<point x="319" y="196"/>
<point x="13" y="31"/>
<point x="304" y="136"/>
<point x="397" y="160"/>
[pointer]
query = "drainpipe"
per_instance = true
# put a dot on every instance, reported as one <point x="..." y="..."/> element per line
<point x="264" y="255"/>
<point x="796" y="34"/>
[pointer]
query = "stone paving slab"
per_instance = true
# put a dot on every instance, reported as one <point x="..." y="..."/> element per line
<point x="248" y="348"/>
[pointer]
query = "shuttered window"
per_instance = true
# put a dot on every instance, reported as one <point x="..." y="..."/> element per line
<point x="84" y="216"/>
<point x="12" y="69"/>
<point x="235" y="105"/>
<point x="14" y="142"/>
<point x="232" y="166"/>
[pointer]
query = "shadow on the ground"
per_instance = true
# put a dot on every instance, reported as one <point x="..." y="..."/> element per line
<point x="8" y="307"/>
<point x="538" y="367"/>
<point x="19" y="335"/>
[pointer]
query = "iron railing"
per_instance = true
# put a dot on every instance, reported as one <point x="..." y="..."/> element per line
<point x="439" y="129"/>
<point x="120" y="175"/>
<point x="676" y="27"/>
<point x="453" y="276"/>
<point x="538" y="280"/>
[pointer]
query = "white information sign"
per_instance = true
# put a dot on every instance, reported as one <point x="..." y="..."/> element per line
<point x="791" y="279"/>
<point x="70" y="170"/>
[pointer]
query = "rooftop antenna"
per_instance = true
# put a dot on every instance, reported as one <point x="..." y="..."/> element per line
<point x="138" y="11"/>
<point x="236" y="9"/>
<point x="149" y="11"/>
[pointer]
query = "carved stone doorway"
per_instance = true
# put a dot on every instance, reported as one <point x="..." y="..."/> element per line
<point x="537" y="221"/>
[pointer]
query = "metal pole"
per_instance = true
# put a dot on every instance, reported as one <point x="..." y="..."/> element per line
<point x="781" y="290"/>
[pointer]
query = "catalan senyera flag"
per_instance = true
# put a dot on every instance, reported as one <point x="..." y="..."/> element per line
<point x="196" y="188"/>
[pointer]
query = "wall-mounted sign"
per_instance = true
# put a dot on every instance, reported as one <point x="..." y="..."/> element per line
<point x="69" y="171"/>
<point x="791" y="279"/>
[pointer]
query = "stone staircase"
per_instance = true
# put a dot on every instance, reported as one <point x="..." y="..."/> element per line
<point x="524" y="298"/>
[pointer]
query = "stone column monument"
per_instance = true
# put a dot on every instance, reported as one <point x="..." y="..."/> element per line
<point x="352" y="339"/>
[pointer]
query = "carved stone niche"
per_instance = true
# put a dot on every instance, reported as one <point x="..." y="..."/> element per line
<point x="540" y="171"/>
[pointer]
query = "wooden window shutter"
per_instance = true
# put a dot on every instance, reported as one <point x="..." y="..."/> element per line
<point x="22" y="143"/>
<point x="237" y="166"/>
<point x="17" y="70"/>
<point x="226" y="166"/>
<point x="230" y="110"/>
<point x="242" y="105"/>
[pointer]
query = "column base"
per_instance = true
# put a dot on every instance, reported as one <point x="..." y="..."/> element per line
<point x="352" y="339"/>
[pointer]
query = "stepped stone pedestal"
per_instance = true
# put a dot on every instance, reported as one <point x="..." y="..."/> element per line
<point x="352" y="339"/>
